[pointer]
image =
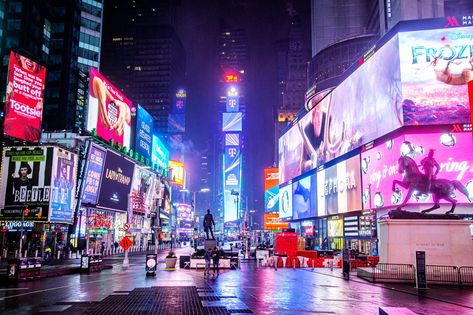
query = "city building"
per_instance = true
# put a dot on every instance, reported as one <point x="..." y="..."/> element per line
<point x="144" y="56"/>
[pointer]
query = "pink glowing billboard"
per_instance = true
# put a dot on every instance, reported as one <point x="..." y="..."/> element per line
<point x="109" y="111"/>
<point x="451" y="160"/>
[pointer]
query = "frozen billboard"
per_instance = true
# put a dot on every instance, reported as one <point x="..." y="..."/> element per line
<point x="109" y="111"/>
<point x="24" y="98"/>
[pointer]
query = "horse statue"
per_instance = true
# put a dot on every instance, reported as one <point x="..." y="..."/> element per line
<point x="415" y="180"/>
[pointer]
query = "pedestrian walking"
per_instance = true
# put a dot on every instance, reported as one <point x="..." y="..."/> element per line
<point x="216" y="260"/>
<point x="208" y="258"/>
<point x="116" y="246"/>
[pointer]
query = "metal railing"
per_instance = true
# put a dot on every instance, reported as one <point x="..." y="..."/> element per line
<point x="436" y="274"/>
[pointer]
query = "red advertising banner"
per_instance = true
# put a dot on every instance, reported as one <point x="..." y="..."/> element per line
<point x="271" y="177"/>
<point x="109" y="110"/>
<point x="24" y="98"/>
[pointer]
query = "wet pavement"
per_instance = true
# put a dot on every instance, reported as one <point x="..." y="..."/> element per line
<point x="260" y="291"/>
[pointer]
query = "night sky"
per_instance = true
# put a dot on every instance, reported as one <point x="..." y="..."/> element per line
<point x="265" y="22"/>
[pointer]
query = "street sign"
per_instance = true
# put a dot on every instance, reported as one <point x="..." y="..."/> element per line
<point x="126" y="226"/>
<point x="126" y="243"/>
<point x="421" y="274"/>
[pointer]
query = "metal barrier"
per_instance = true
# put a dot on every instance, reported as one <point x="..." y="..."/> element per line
<point x="442" y="274"/>
<point x="388" y="273"/>
<point x="466" y="275"/>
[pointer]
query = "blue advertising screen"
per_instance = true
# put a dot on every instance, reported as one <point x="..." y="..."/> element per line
<point x="271" y="199"/>
<point x="285" y="201"/>
<point x="116" y="182"/>
<point x="233" y="104"/>
<point x="232" y="182"/>
<point x="144" y="133"/>
<point x="232" y="139"/>
<point x="93" y="174"/>
<point x="232" y="122"/>
<point x="160" y="155"/>
<point x="304" y="201"/>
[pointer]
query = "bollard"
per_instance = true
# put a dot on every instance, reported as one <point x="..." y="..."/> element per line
<point x="36" y="253"/>
<point x="275" y="258"/>
<point x="26" y="254"/>
<point x="293" y="263"/>
<point x="69" y="255"/>
<point x="313" y="263"/>
<point x="16" y="253"/>
<point x="58" y="254"/>
<point x="331" y="265"/>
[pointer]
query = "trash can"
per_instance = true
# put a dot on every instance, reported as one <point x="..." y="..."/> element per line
<point x="13" y="269"/>
<point x="85" y="263"/>
<point x="151" y="264"/>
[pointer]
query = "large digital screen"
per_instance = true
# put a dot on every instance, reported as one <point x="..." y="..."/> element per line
<point x="177" y="172"/>
<point x="160" y="155"/>
<point x="144" y="133"/>
<point x="116" y="182"/>
<point x="24" y="98"/>
<point x="142" y="190"/>
<point x="109" y="111"/>
<point x="335" y="227"/>
<point x="232" y="139"/>
<point x="63" y="186"/>
<point x="339" y="187"/>
<point x="450" y="161"/>
<point x="26" y="183"/>
<point x="365" y="106"/>
<point x="93" y="174"/>
<point x="435" y="69"/>
<point x="285" y="202"/>
<point x="304" y="201"/>
<point x="231" y="182"/>
<point x="271" y="222"/>
<point x="271" y="199"/>
<point x="185" y="216"/>
<point x="232" y="104"/>
<point x="271" y="177"/>
<point x="232" y="122"/>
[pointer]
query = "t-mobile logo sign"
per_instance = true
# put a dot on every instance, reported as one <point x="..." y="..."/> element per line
<point x="232" y="102"/>
<point x="232" y="152"/>
<point x="451" y="22"/>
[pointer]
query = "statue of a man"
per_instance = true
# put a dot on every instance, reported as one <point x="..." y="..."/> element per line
<point x="429" y="164"/>
<point x="209" y="223"/>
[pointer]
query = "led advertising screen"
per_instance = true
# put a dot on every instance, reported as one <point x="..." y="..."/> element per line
<point x="450" y="161"/>
<point x="304" y="201"/>
<point x="116" y="182"/>
<point x="185" y="216"/>
<point x="93" y="174"/>
<point x="362" y="108"/>
<point x="335" y="227"/>
<point x="142" y="190"/>
<point x="160" y="155"/>
<point x="26" y="178"/>
<point x="109" y="111"/>
<point x="271" y="222"/>
<point x="232" y="104"/>
<point x="271" y="199"/>
<point x="232" y="122"/>
<point x="232" y="182"/>
<point x="435" y="69"/>
<point x="177" y="123"/>
<point x="63" y="186"/>
<point x="271" y="177"/>
<point x="285" y="202"/>
<point x="232" y="139"/>
<point x="144" y="133"/>
<point x="179" y="102"/>
<point x="339" y="187"/>
<point x="24" y="98"/>
<point x="177" y="172"/>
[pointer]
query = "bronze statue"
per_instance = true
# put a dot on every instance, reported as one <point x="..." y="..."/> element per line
<point x="427" y="183"/>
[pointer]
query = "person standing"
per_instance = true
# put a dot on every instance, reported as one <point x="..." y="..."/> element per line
<point x="208" y="258"/>
<point x="216" y="260"/>
<point x="209" y="223"/>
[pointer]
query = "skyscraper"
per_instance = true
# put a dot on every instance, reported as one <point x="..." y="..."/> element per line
<point x="143" y="55"/>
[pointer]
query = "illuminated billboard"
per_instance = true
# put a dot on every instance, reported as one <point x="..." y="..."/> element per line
<point x="185" y="217"/>
<point x="142" y="190"/>
<point x="24" y="98"/>
<point x="109" y="111"/>
<point x="339" y="187"/>
<point x="453" y="162"/>
<point x="93" y="174"/>
<point x="232" y="104"/>
<point x="271" y="177"/>
<point x="232" y="122"/>
<point x="160" y="154"/>
<point x="177" y="172"/>
<point x="231" y="182"/>
<point x="304" y="201"/>
<point x="435" y="69"/>
<point x="26" y="178"/>
<point x="232" y="139"/>
<point x="271" y="199"/>
<point x="271" y="222"/>
<point x="144" y="133"/>
<point x="285" y="202"/>
<point x="63" y="186"/>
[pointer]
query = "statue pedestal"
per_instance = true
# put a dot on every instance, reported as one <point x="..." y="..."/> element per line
<point x="210" y="244"/>
<point x="445" y="242"/>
